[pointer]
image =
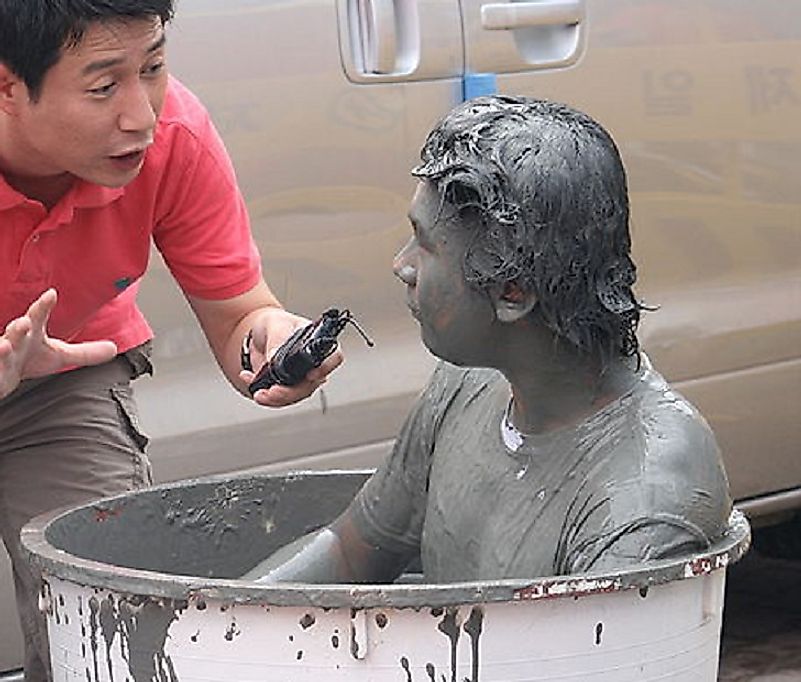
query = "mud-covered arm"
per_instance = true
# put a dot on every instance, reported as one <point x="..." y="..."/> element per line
<point x="379" y="533"/>
<point x="336" y="554"/>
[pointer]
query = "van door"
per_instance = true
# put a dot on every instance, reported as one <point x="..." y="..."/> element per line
<point x="703" y="100"/>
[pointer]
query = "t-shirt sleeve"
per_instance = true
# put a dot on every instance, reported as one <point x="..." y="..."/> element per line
<point x="390" y="509"/>
<point x="635" y="544"/>
<point x="203" y="230"/>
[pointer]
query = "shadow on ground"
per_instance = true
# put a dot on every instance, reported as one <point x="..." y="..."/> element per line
<point x="762" y="621"/>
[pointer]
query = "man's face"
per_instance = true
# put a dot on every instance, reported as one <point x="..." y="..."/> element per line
<point x="98" y="105"/>
<point x="456" y="320"/>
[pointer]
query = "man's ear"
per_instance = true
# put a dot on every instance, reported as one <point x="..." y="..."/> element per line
<point x="11" y="88"/>
<point x="511" y="302"/>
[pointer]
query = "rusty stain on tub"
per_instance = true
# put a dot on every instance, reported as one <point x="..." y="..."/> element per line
<point x="576" y="587"/>
<point x="705" y="565"/>
<point x="106" y="513"/>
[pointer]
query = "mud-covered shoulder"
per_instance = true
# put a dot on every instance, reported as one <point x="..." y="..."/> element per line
<point x="676" y="460"/>
<point x="652" y="483"/>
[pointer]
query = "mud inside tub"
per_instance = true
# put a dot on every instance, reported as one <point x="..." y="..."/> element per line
<point x="211" y="528"/>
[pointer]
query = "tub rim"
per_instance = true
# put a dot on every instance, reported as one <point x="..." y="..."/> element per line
<point x="59" y="563"/>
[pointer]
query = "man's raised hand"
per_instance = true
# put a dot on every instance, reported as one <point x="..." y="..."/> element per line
<point x="26" y="351"/>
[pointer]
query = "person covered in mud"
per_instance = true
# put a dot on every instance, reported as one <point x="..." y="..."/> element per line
<point x="102" y="154"/>
<point x="545" y="443"/>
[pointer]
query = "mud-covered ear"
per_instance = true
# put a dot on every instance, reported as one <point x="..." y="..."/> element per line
<point x="511" y="302"/>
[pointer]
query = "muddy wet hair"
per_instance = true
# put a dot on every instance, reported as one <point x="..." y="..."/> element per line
<point x="543" y="189"/>
<point x="34" y="32"/>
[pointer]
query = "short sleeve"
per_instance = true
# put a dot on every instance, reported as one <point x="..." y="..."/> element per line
<point x="390" y="509"/>
<point x="636" y="543"/>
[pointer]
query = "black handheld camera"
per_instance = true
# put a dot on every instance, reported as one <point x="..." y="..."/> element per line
<point x="301" y="352"/>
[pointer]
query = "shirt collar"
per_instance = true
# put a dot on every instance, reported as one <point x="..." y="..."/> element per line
<point x="9" y="197"/>
<point x="87" y="195"/>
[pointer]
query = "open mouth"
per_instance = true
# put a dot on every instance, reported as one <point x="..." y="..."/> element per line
<point x="129" y="155"/>
<point x="129" y="159"/>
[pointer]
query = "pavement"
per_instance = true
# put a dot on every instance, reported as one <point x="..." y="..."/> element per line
<point x="762" y="621"/>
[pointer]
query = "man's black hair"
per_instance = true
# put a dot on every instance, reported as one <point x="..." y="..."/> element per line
<point x="34" y="32"/>
<point x="545" y="188"/>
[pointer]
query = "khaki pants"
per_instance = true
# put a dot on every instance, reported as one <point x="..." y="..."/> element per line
<point x="65" y="440"/>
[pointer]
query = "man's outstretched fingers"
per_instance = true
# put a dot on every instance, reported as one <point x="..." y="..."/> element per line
<point x="84" y="354"/>
<point x="16" y="330"/>
<point x="39" y="311"/>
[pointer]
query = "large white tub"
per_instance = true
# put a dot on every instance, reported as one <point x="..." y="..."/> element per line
<point x="140" y="588"/>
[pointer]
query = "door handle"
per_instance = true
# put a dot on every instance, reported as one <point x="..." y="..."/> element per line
<point x="512" y="15"/>
<point x="378" y="35"/>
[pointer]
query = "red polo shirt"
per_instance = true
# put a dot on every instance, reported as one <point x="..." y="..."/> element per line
<point x="94" y="245"/>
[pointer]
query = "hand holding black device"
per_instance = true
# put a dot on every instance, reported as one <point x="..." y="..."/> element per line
<point x="301" y="352"/>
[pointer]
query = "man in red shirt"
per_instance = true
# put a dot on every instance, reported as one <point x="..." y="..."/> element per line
<point x="102" y="154"/>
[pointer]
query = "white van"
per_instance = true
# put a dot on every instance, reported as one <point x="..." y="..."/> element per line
<point x="324" y="104"/>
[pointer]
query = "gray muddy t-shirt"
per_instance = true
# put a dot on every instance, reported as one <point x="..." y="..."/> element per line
<point x="642" y="479"/>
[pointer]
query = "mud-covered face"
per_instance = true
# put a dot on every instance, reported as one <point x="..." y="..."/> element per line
<point x="456" y="320"/>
